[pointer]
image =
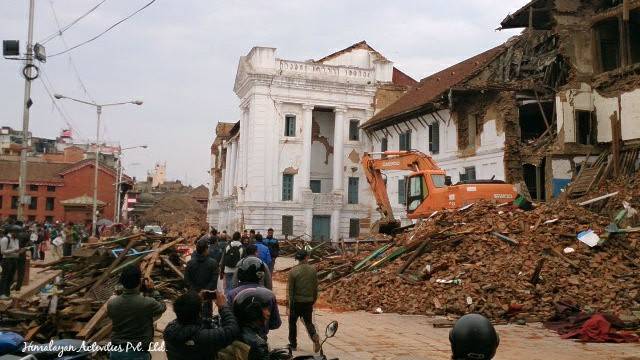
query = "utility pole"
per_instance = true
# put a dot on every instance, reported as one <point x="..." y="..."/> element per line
<point x="95" y="175"/>
<point x="25" y="117"/>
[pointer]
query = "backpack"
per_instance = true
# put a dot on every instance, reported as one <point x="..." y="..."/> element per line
<point x="232" y="256"/>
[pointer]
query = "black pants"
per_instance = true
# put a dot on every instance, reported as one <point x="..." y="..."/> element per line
<point x="9" y="267"/>
<point x="20" y="269"/>
<point x="304" y="311"/>
<point x="66" y="249"/>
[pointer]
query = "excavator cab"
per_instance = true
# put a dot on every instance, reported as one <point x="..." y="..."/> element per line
<point x="420" y="187"/>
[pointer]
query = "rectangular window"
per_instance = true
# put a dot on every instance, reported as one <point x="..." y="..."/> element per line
<point x="33" y="187"/>
<point x="316" y="186"/>
<point x="290" y="125"/>
<point x="354" y="131"/>
<point x="51" y="188"/>
<point x="384" y="144"/>
<point x="33" y="204"/>
<point x="0" y="202"/>
<point x="405" y="141"/>
<point x="469" y="174"/>
<point x="634" y="36"/>
<point x="434" y="138"/>
<point x="31" y="218"/>
<point x="48" y="219"/>
<point x="16" y="186"/>
<point x="49" y="205"/>
<point x="608" y="42"/>
<point x="14" y="202"/>
<point x="1" y="186"/>
<point x="287" y="225"/>
<point x="352" y="196"/>
<point x="402" y="192"/>
<point x="354" y="228"/>
<point x="287" y="187"/>
<point x="585" y="128"/>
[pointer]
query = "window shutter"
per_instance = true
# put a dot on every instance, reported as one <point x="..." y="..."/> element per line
<point x="353" y="190"/>
<point x="434" y="138"/>
<point x="384" y="143"/>
<point x="401" y="192"/>
<point x="287" y="187"/>
<point x="287" y="225"/>
<point x="353" y="130"/>
<point x="354" y="228"/>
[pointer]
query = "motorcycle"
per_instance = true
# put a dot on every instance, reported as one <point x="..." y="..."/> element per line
<point x="287" y="354"/>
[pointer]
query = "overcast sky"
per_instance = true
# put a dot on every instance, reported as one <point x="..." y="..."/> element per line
<point x="180" y="57"/>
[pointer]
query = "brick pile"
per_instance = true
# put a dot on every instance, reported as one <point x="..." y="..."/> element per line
<point x="466" y="267"/>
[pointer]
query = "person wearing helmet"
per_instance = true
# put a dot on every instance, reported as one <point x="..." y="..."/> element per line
<point x="473" y="337"/>
<point x="251" y="251"/>
<point x="252" y="307"/>
<point x="250" y="273"/>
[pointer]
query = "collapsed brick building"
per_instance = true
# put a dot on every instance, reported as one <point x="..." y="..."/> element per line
<point x="557" y="105"/>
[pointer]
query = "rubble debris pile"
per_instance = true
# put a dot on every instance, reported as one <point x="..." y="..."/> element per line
<point x="69" y="301"/>
<point x="500" y="261"/>
<point x="180" y="214"/>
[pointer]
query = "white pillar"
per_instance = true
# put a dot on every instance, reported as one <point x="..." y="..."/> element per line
<point x="335" y="225"/>
<point x="227" y="168"/>
<point x="233" y="166"/>
<point x="308" y="221"/>
<point x="338" y="149"/>
<point x="307" y="128"/>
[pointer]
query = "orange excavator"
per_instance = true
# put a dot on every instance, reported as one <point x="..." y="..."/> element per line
<point x="427" y="187"/>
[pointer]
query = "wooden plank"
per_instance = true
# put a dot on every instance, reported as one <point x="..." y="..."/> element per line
<point x="91" y="324"/>
<point x="113" y="265"/>
<point x="35" y="286"/>
<point x="156" y="254"/>
<point x="32" y="332"/>
<point x="168" y="262"/>
<point x="102" y="333"/>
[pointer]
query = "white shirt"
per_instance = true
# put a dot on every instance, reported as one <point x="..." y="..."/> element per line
<point x="9" y="247"/>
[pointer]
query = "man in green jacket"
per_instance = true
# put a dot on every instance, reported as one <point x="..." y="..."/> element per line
<point x="132" y="315"/>
<point x="302" y="295"/>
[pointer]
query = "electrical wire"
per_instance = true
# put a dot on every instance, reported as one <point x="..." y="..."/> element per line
<point x="71" y="62"/>
<point x="62" y="114"/>
<point x="105" y="31"/>
<point x="68" y="26"/>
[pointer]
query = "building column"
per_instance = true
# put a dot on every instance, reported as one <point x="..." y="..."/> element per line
<point x="308" y="221"/>
<point x="233" y="166"/>
<point x="335" y="226"/>
<point x="307" y="128"/>
<point x="227" y="168"/>
<point x="338" y="149"/>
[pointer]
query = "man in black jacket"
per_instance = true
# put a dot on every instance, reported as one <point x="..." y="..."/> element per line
<point x="202" y="273"/>
<point x="191" y="337"/>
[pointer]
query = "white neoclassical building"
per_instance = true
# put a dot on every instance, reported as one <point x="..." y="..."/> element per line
<point x="292" y="160"/>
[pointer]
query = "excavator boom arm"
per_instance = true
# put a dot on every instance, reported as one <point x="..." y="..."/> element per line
<point x="392" y="160"/>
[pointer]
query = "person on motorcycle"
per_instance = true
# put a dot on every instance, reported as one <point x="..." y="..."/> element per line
<point x="189" y="336"/>
<point x="251" y="271"/>
<point x="473" y="337"/>
<point x="252" y="308"/>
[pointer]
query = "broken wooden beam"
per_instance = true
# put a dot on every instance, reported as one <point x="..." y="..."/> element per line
<point x="168" y="262"/>
<point x="105" y="275"/>
<point x="91" y="324"/>
<point x="156" y="254"/>
<point x="419" y="251"/>
<point x="535" y="278"/>
<point x="599" y="198"/>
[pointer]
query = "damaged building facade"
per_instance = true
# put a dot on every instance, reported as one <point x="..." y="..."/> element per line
<point x="555" y="109"/>
<point x="292" y="161"/>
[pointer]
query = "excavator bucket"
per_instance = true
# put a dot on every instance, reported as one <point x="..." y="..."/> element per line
<point x="385" y="226"/>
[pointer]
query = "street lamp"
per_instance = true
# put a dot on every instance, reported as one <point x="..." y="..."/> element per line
<point x="95" y="175"/>
<point x="116" y="213"/>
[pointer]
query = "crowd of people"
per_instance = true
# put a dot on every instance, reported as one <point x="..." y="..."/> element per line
<point x="33" y="241"/>
<point x="235" y="274"/>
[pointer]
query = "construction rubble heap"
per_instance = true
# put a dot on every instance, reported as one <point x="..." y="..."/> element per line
<point x="502" y="261"/>
<point x="68" y="298"/>
<point x="180" y="214"/>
